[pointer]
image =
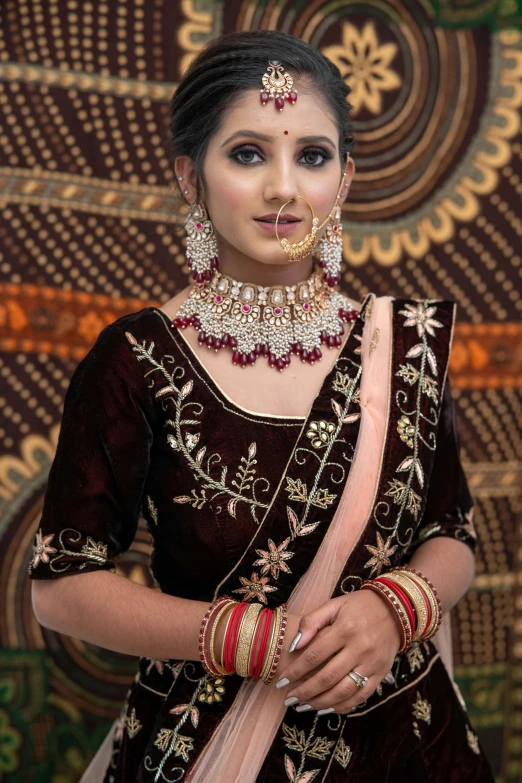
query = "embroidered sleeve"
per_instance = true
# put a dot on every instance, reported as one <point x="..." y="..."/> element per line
<point x="449" y="504"/>
<point x="94" y="493"/>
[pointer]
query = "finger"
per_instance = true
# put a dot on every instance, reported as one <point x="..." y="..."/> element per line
<point x="312" y="622"/>
<point x="361" y="694"/>
<point x="318" y="690"/>
<point x="315" y="655"/>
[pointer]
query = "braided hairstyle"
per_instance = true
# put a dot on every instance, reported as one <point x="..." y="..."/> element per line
<point x="236" y="62"/>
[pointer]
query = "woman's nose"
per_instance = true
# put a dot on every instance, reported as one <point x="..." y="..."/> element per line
<point x="280" y="184"/>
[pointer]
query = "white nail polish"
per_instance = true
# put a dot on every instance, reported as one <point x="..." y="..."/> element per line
<point x="303" y="708"/>
<point x="326" y="711"/>
<point x="291" y="701"/>
<point x="295" y="642"/>
<point x="283" y="683"/>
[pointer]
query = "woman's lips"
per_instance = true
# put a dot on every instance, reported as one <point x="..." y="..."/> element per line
<point x="282" y="228"/>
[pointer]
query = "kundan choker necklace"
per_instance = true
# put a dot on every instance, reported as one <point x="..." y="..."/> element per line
<point x="274" y="321"/>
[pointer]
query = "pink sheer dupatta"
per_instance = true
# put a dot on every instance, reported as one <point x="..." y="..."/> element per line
<point x="239" y="746"/>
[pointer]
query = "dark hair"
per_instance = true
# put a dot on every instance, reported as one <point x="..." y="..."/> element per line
<point x="232" y="63"/>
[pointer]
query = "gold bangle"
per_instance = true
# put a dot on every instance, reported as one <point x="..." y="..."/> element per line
<point x="414" y="594"/>
<point x="434" y="607"/>
<point x="244" y="641"/>
<point x="213" y="658"/>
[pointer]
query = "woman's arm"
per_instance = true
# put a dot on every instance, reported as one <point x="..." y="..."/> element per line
<point x="449" y="564"/>
<point x="113" y="612"/>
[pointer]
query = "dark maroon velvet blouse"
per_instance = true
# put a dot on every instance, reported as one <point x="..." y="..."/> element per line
<point x="145" y="430"/>
<point x="202" y="484"/>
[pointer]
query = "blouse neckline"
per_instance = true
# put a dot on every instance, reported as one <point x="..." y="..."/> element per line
<point x="177" y="333"/>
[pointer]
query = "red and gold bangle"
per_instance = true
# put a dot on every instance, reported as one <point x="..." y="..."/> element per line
<point x="402" y="616"/>
<point x="279" y="636"/>
<point x="417" y="599"/>
<point x="211" y="612"/>
<point x="402" y="596"/>
<point x="434" y="601"/>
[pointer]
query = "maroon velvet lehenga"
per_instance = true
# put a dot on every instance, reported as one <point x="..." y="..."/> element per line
<point x="146" y="431"/>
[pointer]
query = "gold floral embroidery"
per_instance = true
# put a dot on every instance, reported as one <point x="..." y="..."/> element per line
<point x="213" y="691"/>
<point x="294" y="739"/>
<point x="90" y="552"/>
<point x="343" y="753"/>
<point x="472" y="741"/>
<point x="207" y="469"/>
<point x="374" y="341"/>
<point x="323" y="435"/>
<point x="95" y="550"/>
<point x="406" y="430"/>
<point x="404" y="496"/>
<point x="415" y="657"/>
<point x="420" y="316"/>
<point x="297" y="490"/>
<point x="322" y="498"/>
<point x="163" y="738"/>
<point x="132" y="724"/>
<point x="320" y="748"/>
<point x="416" y="730"/>
<point x="422" y="709"/>
<point x="41" y="548"/>
<point x="381" y="555"/>
<point x="273" y="559"/>
<point x="320" y="433"/>
<point x="255" y="587"/>
<point x="152" y="510"/>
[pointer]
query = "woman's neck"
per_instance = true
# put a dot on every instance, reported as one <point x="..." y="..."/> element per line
<point x="247" y="270"/>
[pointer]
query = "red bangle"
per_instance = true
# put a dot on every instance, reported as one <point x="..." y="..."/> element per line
<point x="407" y="631"/>
<point x="264" y="643"/>
<point x="258" y="649"/>
<point x="402" y="596"/>
<point x="279" y="646"/>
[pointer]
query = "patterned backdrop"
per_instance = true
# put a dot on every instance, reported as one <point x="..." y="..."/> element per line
<point x="91" y="229"/>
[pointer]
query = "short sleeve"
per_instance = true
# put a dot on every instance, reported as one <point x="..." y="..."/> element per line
<point x="94" y="494"/>
<point x="449" y="504"/>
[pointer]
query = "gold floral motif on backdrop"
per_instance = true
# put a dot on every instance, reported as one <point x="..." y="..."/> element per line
<point x="366" y="65"/>
<point x="208" y="470"/>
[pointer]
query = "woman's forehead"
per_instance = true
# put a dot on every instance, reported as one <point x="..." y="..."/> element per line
<point x="307" y="117"/>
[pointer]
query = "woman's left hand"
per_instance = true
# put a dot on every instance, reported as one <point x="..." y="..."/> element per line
<point x="354" y="632"/>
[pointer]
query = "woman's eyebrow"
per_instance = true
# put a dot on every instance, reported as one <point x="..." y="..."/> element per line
<point x="263" y="137"/>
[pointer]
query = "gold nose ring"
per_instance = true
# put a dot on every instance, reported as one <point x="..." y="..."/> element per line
<point x="298" y="250"/>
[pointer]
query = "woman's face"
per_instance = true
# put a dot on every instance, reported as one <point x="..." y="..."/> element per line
<point x="261" y="158"/>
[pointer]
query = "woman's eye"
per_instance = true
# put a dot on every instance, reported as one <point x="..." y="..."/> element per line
<point x="315" y="157"/>
<point x="245" y="155"/>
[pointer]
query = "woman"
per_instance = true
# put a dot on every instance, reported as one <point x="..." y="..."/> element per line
<point x="273" y="481"/>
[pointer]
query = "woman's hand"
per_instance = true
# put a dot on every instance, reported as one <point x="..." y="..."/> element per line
<point x="355" y="632"/>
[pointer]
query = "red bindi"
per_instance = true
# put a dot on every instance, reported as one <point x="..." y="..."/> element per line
<point x="286" y="133"/>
